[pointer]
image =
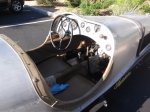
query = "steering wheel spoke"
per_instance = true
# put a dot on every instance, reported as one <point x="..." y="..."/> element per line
<point x="60" y="42"/>
<point x="61" y="26"/>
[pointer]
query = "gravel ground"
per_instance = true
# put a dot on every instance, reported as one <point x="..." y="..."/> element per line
<point x="58" y="8"/>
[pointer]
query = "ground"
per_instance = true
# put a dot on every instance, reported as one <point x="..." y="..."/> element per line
<point x="28" y="24"/>
<point x="58" y="8"/>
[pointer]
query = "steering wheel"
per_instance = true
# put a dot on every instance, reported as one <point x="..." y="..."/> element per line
<point x="61" y="32"/>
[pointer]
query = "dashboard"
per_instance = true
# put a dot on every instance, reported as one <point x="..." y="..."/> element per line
<point x="81" y="26"/>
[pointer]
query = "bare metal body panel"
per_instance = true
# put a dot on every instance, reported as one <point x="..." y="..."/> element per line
<point x="17" y="93"/>
<point x="127" y="34"/>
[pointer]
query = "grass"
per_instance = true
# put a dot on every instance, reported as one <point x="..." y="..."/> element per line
<point x="97" y="7"/>
<point x="121" y="7"/>
<point x="88" y="8"/>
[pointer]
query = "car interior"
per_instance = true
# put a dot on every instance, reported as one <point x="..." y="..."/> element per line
<point x="73" y="56"/>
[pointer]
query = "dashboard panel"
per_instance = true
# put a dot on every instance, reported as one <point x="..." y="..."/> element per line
<point x="94" y="30"/>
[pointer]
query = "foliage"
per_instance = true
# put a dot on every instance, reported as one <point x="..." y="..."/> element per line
<point x="73" y="3"/>
<point x="127" y="6"/>
<point x="92" y="7"/>
<point x="146" y="8"/>
<point x="118" y="7"/>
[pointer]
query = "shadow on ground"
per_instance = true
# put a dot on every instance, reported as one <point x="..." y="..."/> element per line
<point x="47" y="8"/>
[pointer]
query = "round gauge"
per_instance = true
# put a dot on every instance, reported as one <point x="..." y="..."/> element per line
<point x="82" y="25"/>
<point x="97" y="28"/>
<point x="108" y="47"/>
<point x="74" y="25"/>
<point x="88" y="29"/>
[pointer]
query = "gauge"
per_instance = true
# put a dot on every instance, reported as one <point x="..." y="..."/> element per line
<point x="108" y="47"/>
<point x="82" y="25"/>
<point x="74" y="24"/>
<point x="88" y="29"/>
<point x="97" y="28"/>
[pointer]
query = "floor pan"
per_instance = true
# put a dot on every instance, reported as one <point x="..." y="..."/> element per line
<point x="52" y="66"/>
<point x="78" y="87"/>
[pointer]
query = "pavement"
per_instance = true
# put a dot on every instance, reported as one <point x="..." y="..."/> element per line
<point x="28" y="33"/>
<point x="132" y="96"/>
<point x="28" y="15"/>
<point x="26" y="25"/>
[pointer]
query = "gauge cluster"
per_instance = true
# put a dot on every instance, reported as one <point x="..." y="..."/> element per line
<point x="90" y="27"/>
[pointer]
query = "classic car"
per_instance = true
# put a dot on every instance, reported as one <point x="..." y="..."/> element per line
<point x="80" y="60"/>
<point x="13" y="5"/>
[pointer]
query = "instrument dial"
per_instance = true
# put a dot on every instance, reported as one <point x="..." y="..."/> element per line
<point x="82" y="25"/>
<point x="74" y="25"/>
<point x="108" y="47"/>
<point x="97" y="28"/>
<point x="88" y="29"/>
